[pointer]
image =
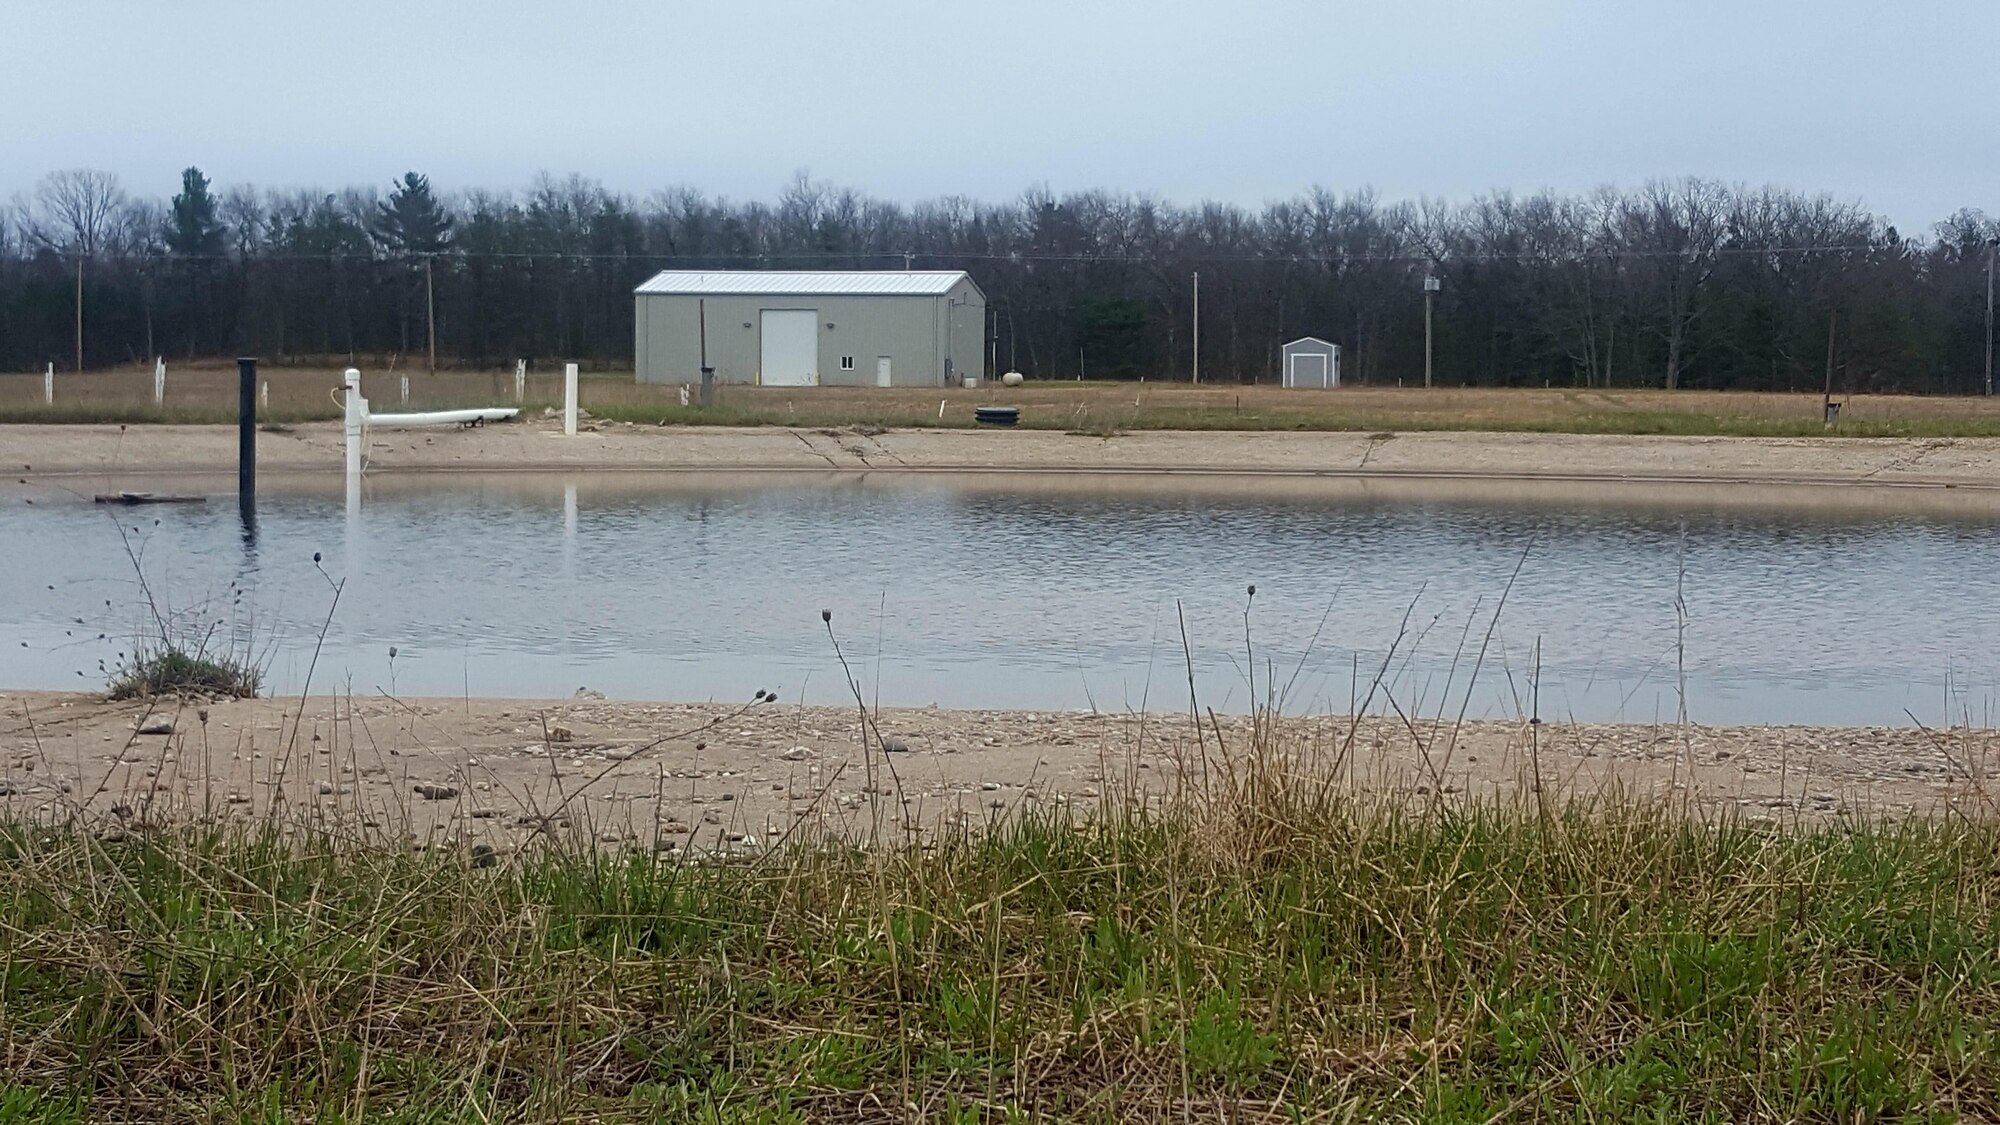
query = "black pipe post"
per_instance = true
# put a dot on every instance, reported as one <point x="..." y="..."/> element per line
<point x="707" y="372"/>
<point x="246" y="433"/>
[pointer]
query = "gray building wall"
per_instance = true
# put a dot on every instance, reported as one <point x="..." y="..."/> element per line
<point x="921" y="336"/>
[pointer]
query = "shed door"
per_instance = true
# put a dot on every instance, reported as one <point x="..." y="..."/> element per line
<point x="882" y="377"/>
<point x="790" y="349"/>
<point x="1309" y="370"/>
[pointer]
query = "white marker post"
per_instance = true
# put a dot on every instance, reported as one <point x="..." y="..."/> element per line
<point x="569" y="399"/>
<point x="357" y="417"/>
<point x="264" y="396"/>
<point x="520" y="380"/>
<point x="49" y="386"/>
<point x="159" y="381"/>
<point x="406" y="390"/>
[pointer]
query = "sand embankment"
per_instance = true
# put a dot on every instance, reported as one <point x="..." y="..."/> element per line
<point x="113" y="455"/>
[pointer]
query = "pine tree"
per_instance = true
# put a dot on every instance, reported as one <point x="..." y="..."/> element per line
<point x="411" y="220"/>
<point x="193" y="230"/>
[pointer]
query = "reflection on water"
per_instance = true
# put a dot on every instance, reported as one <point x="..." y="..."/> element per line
<point x="1015" y="593"/>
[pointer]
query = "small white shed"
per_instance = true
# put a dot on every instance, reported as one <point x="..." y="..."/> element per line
<point x="1312" y="362"/>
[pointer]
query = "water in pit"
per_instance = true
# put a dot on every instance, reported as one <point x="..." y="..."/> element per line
<point x="1030" y="593"/>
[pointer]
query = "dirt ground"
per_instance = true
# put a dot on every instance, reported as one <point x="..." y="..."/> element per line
<point x="111" y="457"/>
<point x="503" y="773"/>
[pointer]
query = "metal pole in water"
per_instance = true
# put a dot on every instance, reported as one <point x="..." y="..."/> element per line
<point x="246" y="432"/>
<point x="569" y="399"/>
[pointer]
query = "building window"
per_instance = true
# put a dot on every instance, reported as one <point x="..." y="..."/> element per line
<point x="847" y="363"/>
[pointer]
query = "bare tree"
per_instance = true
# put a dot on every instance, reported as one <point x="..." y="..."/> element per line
<point x="76" y="213"/>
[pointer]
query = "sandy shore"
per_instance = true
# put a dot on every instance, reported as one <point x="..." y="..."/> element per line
<point x="111" y="456"/>
<point x="501" y="772"/>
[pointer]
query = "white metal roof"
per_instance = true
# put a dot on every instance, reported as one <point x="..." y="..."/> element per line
<point x="845" y="283"/>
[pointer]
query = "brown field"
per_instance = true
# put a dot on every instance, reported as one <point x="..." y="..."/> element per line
<point x="206" y="392"/>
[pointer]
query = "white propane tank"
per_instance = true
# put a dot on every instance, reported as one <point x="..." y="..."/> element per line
<point x="1011" y="379"/>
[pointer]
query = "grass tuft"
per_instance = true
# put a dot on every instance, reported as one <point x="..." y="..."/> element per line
<point x="169" y="670"/>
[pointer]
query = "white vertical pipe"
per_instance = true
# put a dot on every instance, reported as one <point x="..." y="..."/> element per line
<point x="520" y="380"/>
<point x="356" y="419"/>
<point x="569" y="399"/>
<point x="159" y="381"/>
<point x="406" y="390"/>
<point x="264" y="395"/>
<point x="49" y="386"/>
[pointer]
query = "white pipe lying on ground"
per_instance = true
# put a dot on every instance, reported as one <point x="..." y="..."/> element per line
<point x="359" y="419"/>
<point x="440" y="418"/>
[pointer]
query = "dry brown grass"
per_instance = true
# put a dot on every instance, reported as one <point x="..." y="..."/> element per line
<point x="206" y="392"/>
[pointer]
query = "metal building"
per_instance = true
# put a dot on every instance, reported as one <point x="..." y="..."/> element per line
<point x="1311" y="362"/>
<point x="812" y="328"/>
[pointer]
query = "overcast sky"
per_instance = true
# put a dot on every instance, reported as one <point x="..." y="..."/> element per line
<point x="1896" y="105"/>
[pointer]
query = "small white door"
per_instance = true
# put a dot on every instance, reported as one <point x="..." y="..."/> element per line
<point x="882" y="371"/>
<point x="789" y="355"/>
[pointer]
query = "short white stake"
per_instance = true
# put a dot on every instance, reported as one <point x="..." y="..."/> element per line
<point x="49" y="386"/>
<point x="569" y="399"/>
<point x="159" y="381"/>
<point x="264" y="396"/>
<point x="520" y="380"/>
<point x="406" y="390"/>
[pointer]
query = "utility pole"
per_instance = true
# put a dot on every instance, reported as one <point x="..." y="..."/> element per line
<point x="1991" y="244"/>
<point x="1197" y="326"/>
<point x="1431" y="285"/>
<point x="79" y="316"/>
<point x="430" y="310"/>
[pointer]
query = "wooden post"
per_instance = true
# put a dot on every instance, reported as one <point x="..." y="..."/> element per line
<point x="430" y="314"/>
<point x="79" y="312"/>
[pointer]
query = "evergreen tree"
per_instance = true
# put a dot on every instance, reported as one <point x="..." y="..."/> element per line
<point x="193" y="230"/>
<point x="411" y="220"/>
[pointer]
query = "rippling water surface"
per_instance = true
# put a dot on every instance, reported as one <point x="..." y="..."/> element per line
<point x="982" y="592"/>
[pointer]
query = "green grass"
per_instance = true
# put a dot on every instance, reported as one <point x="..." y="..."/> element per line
<point x="1289" y="952"/>
<point x="168" y="669"/>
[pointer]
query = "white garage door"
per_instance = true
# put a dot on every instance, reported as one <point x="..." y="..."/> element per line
<point x="790" y="355"/>
<point x="1309" y="370"/>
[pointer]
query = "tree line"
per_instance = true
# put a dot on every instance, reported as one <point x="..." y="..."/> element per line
<point x="1676" y="283"/>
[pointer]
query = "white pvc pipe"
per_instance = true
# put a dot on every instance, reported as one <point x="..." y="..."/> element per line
<point x="406" y="390"/>
<point x="520" y="379"/>
<point x="264" y="395"/>
<point x="569" y="399"/>
<point x="356" y="419"/>
<point x="159" y="381"/>
<point x="440" y="418"/>
<point x="49" y="386"/>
